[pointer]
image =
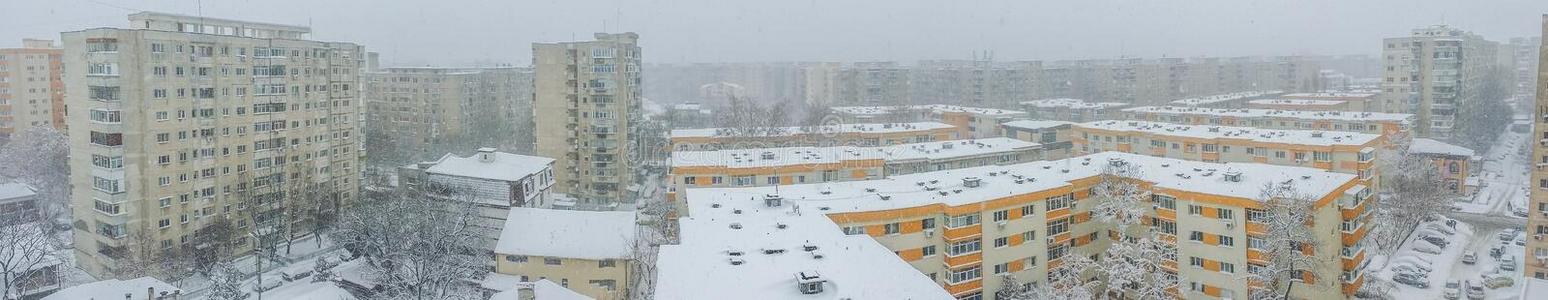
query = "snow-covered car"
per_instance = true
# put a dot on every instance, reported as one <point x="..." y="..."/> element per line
<point x="1519" y="211"/>
<point x="1521" y="241"/>
<point x="1508" y="263"/>
<point x="1475" y="291"/>
<point x="1437" y="227"/>
<point x="1469" y="257"/>
<point x="1453" y="290"/>
<point x="1497" y="280"/>
<point x="1427" y="248"/>
<point x="1411" y="279"/>
<point x="1496" y="250"/>
<point x="1413" y="267"/>
<point x="1508" y="234"/>
<point x="1435" y="240"/>
<point x="269" y="283"/>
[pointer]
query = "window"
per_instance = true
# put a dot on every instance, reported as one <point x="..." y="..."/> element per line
<point x="1028" y="210"/>
<point x="106" y="208"/>
<point x="690" y="180"/>
<point x="928" y="250"/>
<point x="1257" y="216"/>
<point x="1322" y="156"/>
<point x="164" y="201"/>
<point x="1255" y="243"/>
<point x="1001" y="242"/>
<point x="163" y="223"/>
<point x="1196" y="236"/>
<point x="962" y="221"/>
<point x="102" y="69"/>
<point x="105" y="116"/>
<point x="1195" y="210"/>
<point x="891" y="228"/>
<point x="516" y="258"/>
<point x="1164" y="201"/>
<point x="106" y="185"/>
<point x="854" y="230"/>
<point x="1058" y="227"/>
<point x="1029" y="235"/>
<point x="965" y="275"/>
<point x="1196" y="262"/>
<point x="1001" y="215"/>
<point x="110" y="162"/>
<point x="1225" y="213"/>
<point x="551" y="261"/>
<point x="103" y="93"/>
<point x="1226" y="267"/>
<point x="107" y="139"/>
<point x="1226" y="241"/>
<point x="1060" y="202"/>
<point x="771" y="180"/>
<point x="964" y="247"/>
<point x="606" y="263"/>
<point x="1002" y="268"/>
<point x="927" y="223"/>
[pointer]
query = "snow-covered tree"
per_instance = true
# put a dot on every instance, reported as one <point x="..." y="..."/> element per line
<point x="744" y="117"/>
<point x="1286" y="214"/>
<point x="1410" y="191"/>
<point x="419" y="246"/>
<point x="1132" y="265"/>
<point x="24" y="248"/>
<point x="1066" y="281"/>
<point x="1012" y="289"/>
<point x="226" y="282"/>
<point x="39" y="156"/>
<point x="1122" y="200"/>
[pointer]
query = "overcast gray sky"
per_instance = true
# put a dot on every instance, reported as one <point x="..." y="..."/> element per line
<point x="467" y="32"/>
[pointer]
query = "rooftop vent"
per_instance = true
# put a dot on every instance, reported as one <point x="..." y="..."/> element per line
<point x="1316" y="134"/>
<point x="737" y="261"/>
<point x="1116" y="162"/>
<point x="808" y="247"/>
<point x="772" y="200"/>
<point x="810" y="282"/>
<point x="768" y="155"/>
<point x="971" y="182"/>
<point x="736" y="225"/>
<point x="885" y="197"/>
<point x="486" y="154"/>
<point x="772" y="251"/>
<point x="946" y="145"/>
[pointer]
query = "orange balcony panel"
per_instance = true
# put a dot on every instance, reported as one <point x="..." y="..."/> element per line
<point x="1256" y="256"/>
<point x="1055" y="263"/>
<point x="1169" y="265"/>
<point x="1351" y="262"/>
<point x="1260" y="159"/>
<point x="1210" y="156"/>
<point x="1351" y="287"/>
<point x="1158" y="151"/>
<point x="1350" y="238"/>
<point x="966" y="232"/>
<point x="1167" y="214"/>
<point x="1259" y="229"/>
<point x="1055" y="215"/>
<point x="1325" y="165"/>
<point x="962" y="288"/>
<point x="964" y="260"/>
<point x="1125" y="148"/>
<point x="1351" y="213"/>
<point x="1061" y="238"/>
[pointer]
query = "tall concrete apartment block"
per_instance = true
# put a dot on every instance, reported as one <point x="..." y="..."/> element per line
<point x="186" y="121"/>
<point x="1536" y="255"/>
<point x="1433" y="72"/>
<point x="587" y="105"/>
<point x="419" y="114"/>
<point x="31" y="93"/>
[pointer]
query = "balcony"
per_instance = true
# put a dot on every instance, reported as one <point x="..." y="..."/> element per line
<point x="1352" y="212"/>
<point x="1352" y="285"/>
<point x="1354" y="236"/>
<point x="1352" y="257"/>
<point x="1255" y="228"/>
<point x="965" y="287"/>
<point x="964" y="232"/>
<point x="963" y="260"/>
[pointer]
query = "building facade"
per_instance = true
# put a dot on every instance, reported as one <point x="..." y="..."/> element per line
<point x="1053" y="136"/>
<point x="1072" y="110"/>
<point x="589" y="252"/>
<point x="492" y="181"/>
<point x="1389" y="125"/>
<point x="1342" y="152"/>
<point x="31" y="89"/>
<point x="1452" y="163"/>
<point x="1433" y="72"/>
<point x="971" y="122"/>
<point x="967" y="230"/>
<point x="184" y="121"/>
<point x="876" y="134"/>
<point x="587" y="107"/>
<point x="420" y="113"/>
<point x="1536" y="255"/>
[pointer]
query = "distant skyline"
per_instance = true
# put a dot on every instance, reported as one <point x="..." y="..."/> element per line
<point x="487" y="32"/>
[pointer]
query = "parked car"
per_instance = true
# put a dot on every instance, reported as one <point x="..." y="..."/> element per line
<point x="1453" y="290"/>
<point x="1411" y="279"/>
<point x="1440" y="228"/>
<point x="1508" y="234"/>
<point x="1497" y="280"/>
<point x="1508" y="263"/>
<point x="269" y="283"/>
<point x="1474" y="291"/>
<point x="1496" y="251"/>
<point x="1469" y="257"/>
<point x="1411" y="269"/>
<point x="1521" y="241"/>
<point x="1427" y="248"/>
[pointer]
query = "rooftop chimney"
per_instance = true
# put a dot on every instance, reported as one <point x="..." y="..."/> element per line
<point x="486" y="154"/>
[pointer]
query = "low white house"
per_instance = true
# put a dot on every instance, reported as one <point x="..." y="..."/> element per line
<point x="494" y="181"/>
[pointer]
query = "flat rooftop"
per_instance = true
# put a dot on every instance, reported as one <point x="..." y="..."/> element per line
<point x="1329" y="94"/>
<point x="504" y="166"/>
<point x="883" y="110"/>
<point x="1071" y="103"/>
<point x="946" y="187"/>
<point x="827" y="129"/>
<point x="789" y="156"/>
<point x="1296" y="102"/>
<point x="1212" y="99"/>
<point x="1277" y="113"/>
<point x="1035" y="124"/>
<point x="1275" y="136"/>
<point x="594" y="235"/>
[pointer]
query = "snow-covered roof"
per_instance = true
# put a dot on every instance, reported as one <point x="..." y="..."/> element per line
<point x="504" y="166"/>
<point x="883" y="110"/>
<point x="1429" y="146"/>
<point x="854" y="266"/>
<point x="1328" y="94"/>
<point x="35" y="252"/>
<point x="770" y="157"/>
<point x="112" y="289"/>
<point x="1533" y="286"/>
<point x="1070" y="103"/>
<point x="920" y="189"/>
<point x="1277" y="113"/>
<point x="594" y="235"/>
<point x="1306" y="102"/>
<point x="14" y="190"/>
<point x="1277" y="136"/>
<point x="308" y="290"/>
<point x="845" y="128"/>
<point x="1212" y="99"/>
<point x="541" y="290"/>
<point x="1035" y="124"/>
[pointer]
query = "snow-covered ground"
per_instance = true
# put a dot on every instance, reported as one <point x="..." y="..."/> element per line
<point x="1504" y="176"/>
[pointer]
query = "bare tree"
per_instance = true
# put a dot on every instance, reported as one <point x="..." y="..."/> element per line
<point x="24" y="253"/>
<point x="743" y="117"/>
<point x="39" y="157"/>
<point x="1411" y="191"/>
<point x="1067" y="281"/>
<point x="418" y="246"/>
<point x="1133" y="264"/>
<point x="658" y="229"/>
<point x="1286" y="214"/>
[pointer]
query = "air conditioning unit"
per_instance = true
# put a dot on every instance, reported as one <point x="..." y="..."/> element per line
<point x="1229" y="224"/>
<point x="1050" y="240"/>
<point x="1000" y="224"/>
<point x="929" y="232"/>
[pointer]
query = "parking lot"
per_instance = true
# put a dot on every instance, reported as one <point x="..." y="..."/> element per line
<point x="1435" y="265"/>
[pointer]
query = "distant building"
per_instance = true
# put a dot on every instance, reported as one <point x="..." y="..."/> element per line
<point x="1389" y="125"/>
<point x="507" y="287"/>
<point x="1054" y="136"/>
<point x="721" y="93"/>
<point x="585" y="251"/>
<point x="1228" y="100"/>
<point x="587" y="107"/>
<point x="880" y="134"/>
<point x="1072" y="110"/>
<point x="30" y="275"/>
<point x="495" y="181"/>
<point x="1337" y="151"/>
<point x="971" y="122"/>
<point x="1453" y="164"/>
<point x="418" y="113"/>
<point x="31" y="88"/>
<point x="1433" y="72"/>
<point x="690" y="115"/>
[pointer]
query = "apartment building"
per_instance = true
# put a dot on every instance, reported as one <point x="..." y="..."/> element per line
<point x="420" y="113"/>
<point x="1228" y="100"/>
<point x="184" y="121"/>
<point x="1389" y="125"/>
<point x="587" y="107"/>
<point x="799" y="165"/>
<point x="967" y="228"/>
<point x="1072" y="110"/>
<point x="492" y="181"/>
<point x="1536" y="254"/>
<point x="1453" y="164"/>
<point x="971" y="122"/>
<point x="1525" y="54"/>
<point x="31" y="89"/>
<point x="980" y="81"/>
<point x="1432" y="72"/>
<point x="875" y="134"/>
<point x="1320" y="101"/>
<point x="1342" y="152"/>
<point x="874" y="84"/>
<point x="1053" y="136"/>
<point x="589" y="252"/>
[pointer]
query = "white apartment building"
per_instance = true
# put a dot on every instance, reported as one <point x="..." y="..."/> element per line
<point x="587" y="106"/>
<point x="494" y="181"/>
<point x="31" y="93"/>
<point x="1433" y="72"/>
<point x="182" y="121"/>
